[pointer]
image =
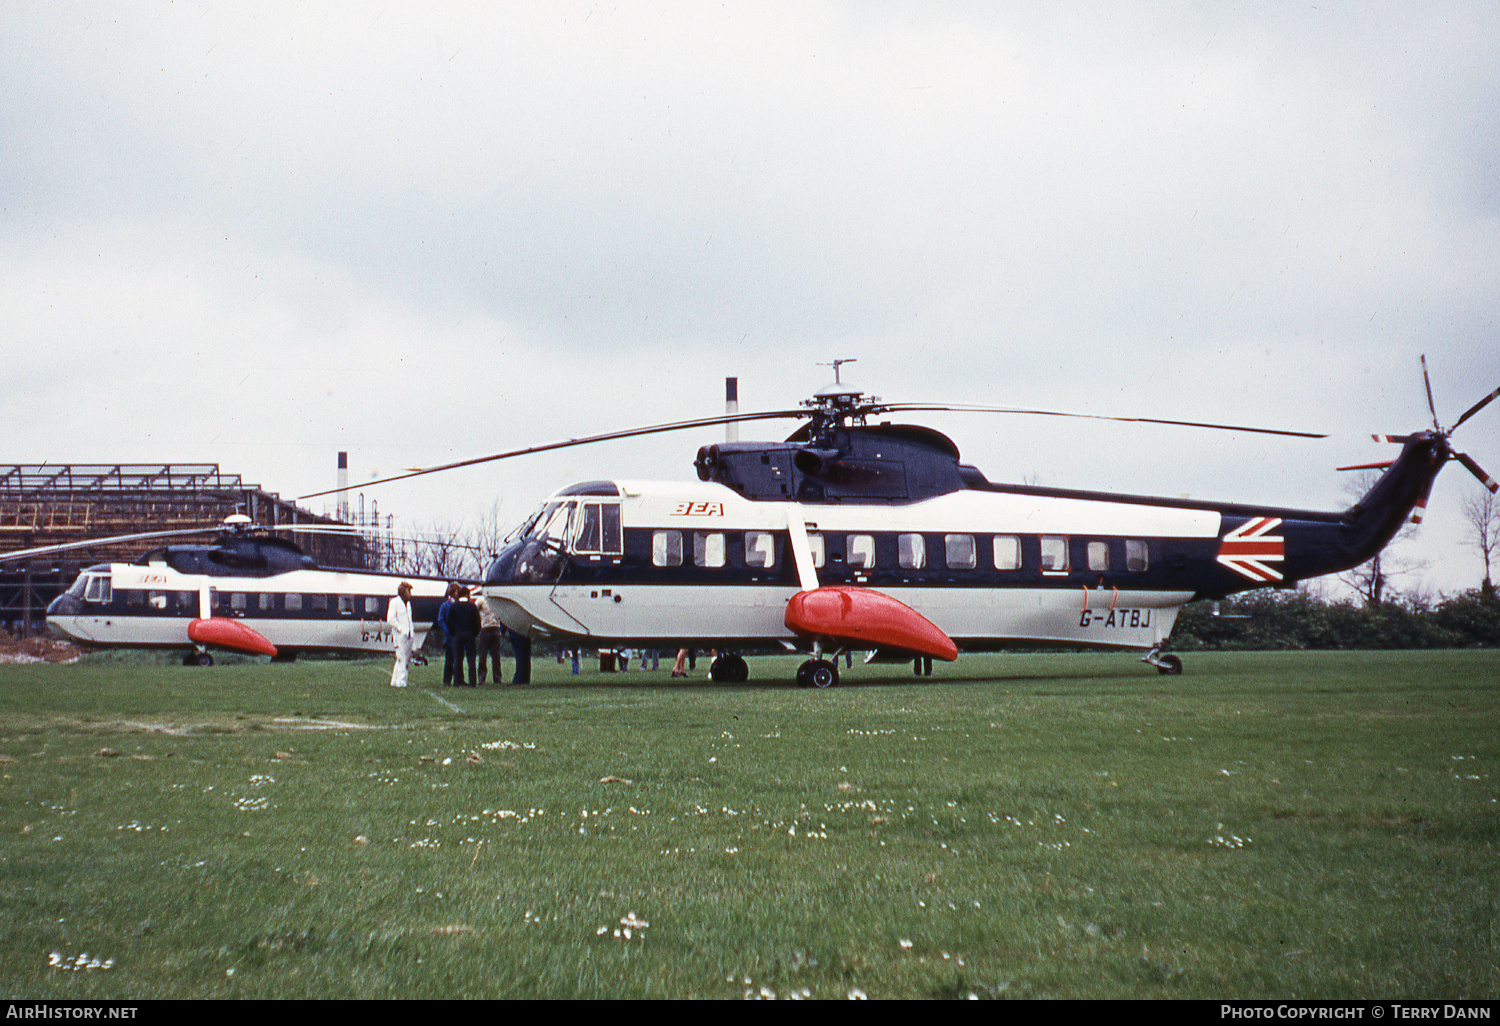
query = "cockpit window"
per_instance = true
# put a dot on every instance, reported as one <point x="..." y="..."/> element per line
<point x="548" y="523"/>
<point x="598" y="528"/>
<point x="98" y="589"/>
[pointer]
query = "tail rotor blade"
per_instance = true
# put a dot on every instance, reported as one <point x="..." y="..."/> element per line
<point x="1477" y="471"/>
<point x="1427" y="383"/>
<point x="1477" y="407"/>
<point x="1420" y="508"/>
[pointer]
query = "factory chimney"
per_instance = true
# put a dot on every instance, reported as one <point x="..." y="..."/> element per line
<point x="731" y="407"/>
<point x="342" y="510"/>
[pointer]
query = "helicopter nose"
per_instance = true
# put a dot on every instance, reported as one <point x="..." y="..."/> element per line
<point x="64" y="605"/>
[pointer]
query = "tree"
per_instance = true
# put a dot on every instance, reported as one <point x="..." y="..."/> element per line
<point x="1483" y="514"/>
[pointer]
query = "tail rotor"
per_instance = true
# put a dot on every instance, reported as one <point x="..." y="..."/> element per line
<point x="1441" y="435"/>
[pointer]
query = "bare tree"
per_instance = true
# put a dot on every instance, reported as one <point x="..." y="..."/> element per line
<point x="1483" y="514"/>
<point x="484" y="537"/>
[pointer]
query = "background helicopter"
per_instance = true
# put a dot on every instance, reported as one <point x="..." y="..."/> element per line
<point x="245" y="591"/>
<point x="852" y="535"/>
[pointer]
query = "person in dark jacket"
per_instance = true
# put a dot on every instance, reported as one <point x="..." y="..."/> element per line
<point x="463" y="629"/>
<point x="440" y="625"/>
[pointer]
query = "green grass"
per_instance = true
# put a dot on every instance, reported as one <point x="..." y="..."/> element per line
<point x="1311" y="825"/>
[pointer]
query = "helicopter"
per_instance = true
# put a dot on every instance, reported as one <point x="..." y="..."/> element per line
<point x="244" y="592"/>
<point x="853" y="535"/>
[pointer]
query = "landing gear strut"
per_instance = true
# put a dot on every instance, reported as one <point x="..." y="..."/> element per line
<point x="1169" y="664"/>
<point x="198" y="658"/>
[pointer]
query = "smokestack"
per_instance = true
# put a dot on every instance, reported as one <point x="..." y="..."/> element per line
<point x="342" y="510"/>
<point x="731" y="407"/>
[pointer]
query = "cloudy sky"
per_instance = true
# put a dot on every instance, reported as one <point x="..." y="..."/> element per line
<point x="259" y="234"/>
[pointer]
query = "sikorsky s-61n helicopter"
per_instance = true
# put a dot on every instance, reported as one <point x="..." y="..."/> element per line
<point x="244" y="591"/>
<point x="853" y="535"/>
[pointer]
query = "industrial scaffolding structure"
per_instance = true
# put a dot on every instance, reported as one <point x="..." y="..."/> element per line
<point x="54" y="504"/>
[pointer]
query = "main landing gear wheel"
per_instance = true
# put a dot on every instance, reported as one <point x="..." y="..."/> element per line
<point x="197" y="659"/>
<point x="817" y="673"/>
<point x="1169" y="665"/>
<point x="729" y="670"/>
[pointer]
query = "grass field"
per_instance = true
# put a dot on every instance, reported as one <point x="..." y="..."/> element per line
<point x="1309" y="825"/>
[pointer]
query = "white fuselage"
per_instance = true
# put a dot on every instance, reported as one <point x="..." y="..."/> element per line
<point x="151" y="606"/>
<point x="695" y="565"/>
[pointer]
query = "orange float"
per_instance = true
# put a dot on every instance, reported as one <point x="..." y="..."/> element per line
<point x="230" y="634"/>
<point x="864" y="618"/>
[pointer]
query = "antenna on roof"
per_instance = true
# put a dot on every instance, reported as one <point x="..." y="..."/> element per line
<point x="836" y="364"/>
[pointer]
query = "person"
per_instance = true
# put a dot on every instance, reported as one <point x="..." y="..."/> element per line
<point x="679" y="667"/>
<point x="399" y="617"/>
<point x="463" y="628"/>
<point x="441" y="625"/>
<point x="489" y="637"/>
<point x="520" y="646"/>
<point x="653" y="655"/>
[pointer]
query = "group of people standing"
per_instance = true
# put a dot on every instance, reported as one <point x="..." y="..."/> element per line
<point x="468" y="630"/>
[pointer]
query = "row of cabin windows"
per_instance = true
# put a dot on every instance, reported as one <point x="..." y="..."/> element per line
<point x="186" y="602"/>
<point x="960" y="551"/>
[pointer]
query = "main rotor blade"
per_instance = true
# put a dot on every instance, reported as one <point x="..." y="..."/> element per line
<point x="1477" y="471"/>
<point x="1476" y="408"/>
<point x="967" y="408"/>
<point x="1427" y="383"/>
<point x="94" y="543"/>
<point x="681" y="425"/>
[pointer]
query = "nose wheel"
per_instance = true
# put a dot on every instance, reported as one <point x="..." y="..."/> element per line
<point x="817" y="673"/>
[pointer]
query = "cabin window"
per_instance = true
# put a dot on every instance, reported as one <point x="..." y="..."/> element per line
<point x="134" y="598"/>
<point x="1007" y="552"/>
<point x="760" y="549"/>
<point x="960" y="551"/>
<point x="1054" y="554"/>
<point x="157" y="600"/>
<point x="708" y="548"/>
<point x="1098" y="556"/>
<point x="263" y="601"/>
<point x="666" y="548"/>
<point x="1135" y="555"/>
<point x="99" y="589"/>
<point x="346" y="604"/>
<point x="237" y="601"/>
<point x="372" y="605"/>
<point x="599" y="528"/>
<point x="819" y="550"/>
<point x="293" y="603"/>
<point x="911" y="551"/>
<point x="859" y="551"/>
<point x="318" y="603"/>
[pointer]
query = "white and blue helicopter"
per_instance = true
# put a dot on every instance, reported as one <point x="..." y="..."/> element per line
<point x="876" y="537"/>
<point x="244" y="591"/>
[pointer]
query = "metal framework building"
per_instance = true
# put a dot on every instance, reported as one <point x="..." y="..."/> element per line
<point x="53" y="504"/>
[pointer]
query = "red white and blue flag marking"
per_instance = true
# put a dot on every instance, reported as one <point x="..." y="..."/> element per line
<point x="1248" y="548"/>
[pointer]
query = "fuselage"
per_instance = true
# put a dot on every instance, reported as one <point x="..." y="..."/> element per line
<point x="667" y="563"/>
<point x="306" y="609"/>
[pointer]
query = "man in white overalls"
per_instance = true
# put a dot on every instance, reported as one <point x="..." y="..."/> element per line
<point x="399" y="617"/>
